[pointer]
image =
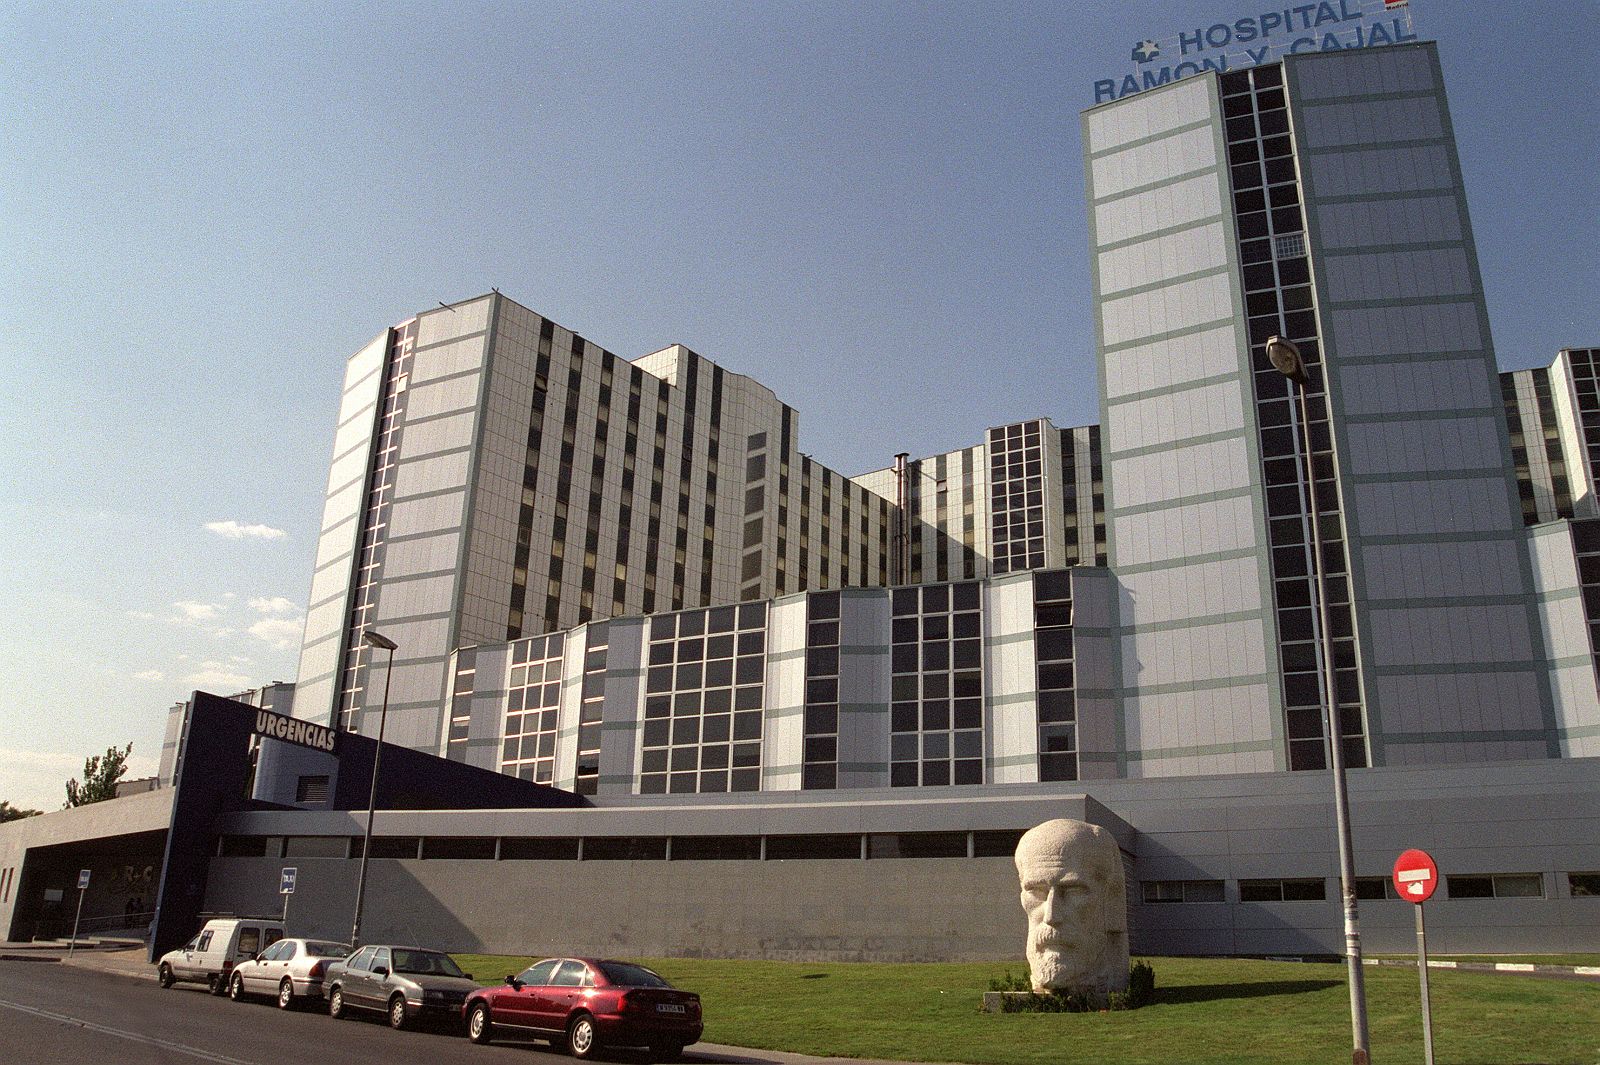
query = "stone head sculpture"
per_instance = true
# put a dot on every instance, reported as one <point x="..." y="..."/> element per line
<point x="1072" y="890"/>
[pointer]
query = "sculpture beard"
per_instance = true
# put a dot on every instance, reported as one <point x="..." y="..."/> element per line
<point x="1059" y="960"/>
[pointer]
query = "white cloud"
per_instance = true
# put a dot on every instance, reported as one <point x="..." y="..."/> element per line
<point x="217" y="677"/>
<point x="233" y="530"/>
<point x="282" y="633"/>
<point x="276" y="604"/>
<point x="149" y="674"/>
<point x="197" y="611"/>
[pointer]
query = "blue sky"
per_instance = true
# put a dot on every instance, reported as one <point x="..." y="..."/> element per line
<point x="876" y="210"/>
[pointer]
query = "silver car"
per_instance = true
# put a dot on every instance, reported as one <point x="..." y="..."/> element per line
<point x="405" y="983"/>
<point x="291" y="969"/>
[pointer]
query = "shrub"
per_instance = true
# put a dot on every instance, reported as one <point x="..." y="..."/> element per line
<point x="1141" y="991"/>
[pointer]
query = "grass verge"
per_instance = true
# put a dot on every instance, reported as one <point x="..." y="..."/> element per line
<point x="1205" y="1012"/>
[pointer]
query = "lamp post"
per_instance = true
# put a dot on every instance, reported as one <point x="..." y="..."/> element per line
<point x="372" y="638"/>
<point x="1285" y="358"/>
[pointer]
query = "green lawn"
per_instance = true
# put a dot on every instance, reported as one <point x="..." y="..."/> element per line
<point x="1225" y="1012"/>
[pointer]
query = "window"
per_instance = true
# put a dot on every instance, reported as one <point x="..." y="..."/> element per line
<point x="572" y="974"/>
<point x="1375" y="887"/>
<point x="457" y="847"/>
<point x="1496" y="886"/>
<point x="311" y="789"/>
<point x="205" y="942"/>
<point x="624" y="848"/>
<point x="363" y="959"/>
<point x="1584" y="885"/>
<point x="539" y="849"/>
<point x="1299" y="890"/>
<point x="715" y="848"/>
<point x="996" y="844"/>
<point x="316" y="846"/>
<point x="249" y="941"/>
<point x="392" y="847"/>
<point x="1162" y="891"/>
<point x="833" y="846"/>
<point x="917" y="845"/>
<point x="539" y="975"/>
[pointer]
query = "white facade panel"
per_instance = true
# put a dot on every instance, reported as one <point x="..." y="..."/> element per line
<point x="1185" y="103"/>
<point x="1197" y="653"/>
<point x="1381" y="171"/>
<point x="1173" y="361"/>
<point x="1164" y="207"/>
<point x="1454" y="506"/>
<point x="1176" y="416"/>
<point x="1367" y="121"/>
<point x="1169" y="157"/>
<point x="1210" y="527"/>
<point x="1415" y="636"/>
<point x="1444" y="569"/>
<point x="1181" y="593"/>
<point x="1180" y="472"/>
<point x="1166" y="310"/>
<point x="1187" y="251"/>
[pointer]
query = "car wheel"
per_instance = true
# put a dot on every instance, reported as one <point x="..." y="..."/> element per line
<point x="236" y="988"/>
<point x="286" y="994"/>
<point x="480" y="1029"/>
<point x="164" y="975"/>
<point x="215" y="985"/>
<point x="666" y="1051"/>
<point x="397" y="1012"/>
<point x="582" y="1039"/>
<point x="336" y="1003"/>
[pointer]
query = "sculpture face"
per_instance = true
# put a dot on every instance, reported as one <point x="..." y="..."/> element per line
<point x="1072" y="891"/>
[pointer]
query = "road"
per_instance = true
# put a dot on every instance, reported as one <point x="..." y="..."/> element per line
<point x="54" y="1014"/>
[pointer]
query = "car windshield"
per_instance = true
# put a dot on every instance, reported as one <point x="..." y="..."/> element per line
<point x="425" y="963"/>
<point x="326" y="950"/>
<point x="625" y="975"/>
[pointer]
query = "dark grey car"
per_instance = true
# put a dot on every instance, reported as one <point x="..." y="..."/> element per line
<point x="405" y="983"/>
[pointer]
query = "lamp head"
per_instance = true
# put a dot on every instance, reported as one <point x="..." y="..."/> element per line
<point x="378" y="639"/>
<point x="1285" y="358"/>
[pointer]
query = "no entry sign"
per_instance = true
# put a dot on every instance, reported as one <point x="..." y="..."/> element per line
<point x="1415" y="876"/>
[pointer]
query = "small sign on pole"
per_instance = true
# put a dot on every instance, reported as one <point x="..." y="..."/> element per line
<point x="286" y="881"/>
<point x="83" y="887"/>
<point x="1416" y="877"/>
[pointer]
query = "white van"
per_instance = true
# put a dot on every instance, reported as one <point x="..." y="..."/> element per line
<point x="209" y="958"/>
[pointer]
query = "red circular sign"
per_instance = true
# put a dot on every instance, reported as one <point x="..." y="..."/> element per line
<point x="1415" y="876"/>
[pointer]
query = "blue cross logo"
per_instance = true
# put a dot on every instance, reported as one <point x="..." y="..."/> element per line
<point x="1146" y="51"/>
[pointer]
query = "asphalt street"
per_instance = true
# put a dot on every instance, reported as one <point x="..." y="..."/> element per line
<point x="53" y="1014"/>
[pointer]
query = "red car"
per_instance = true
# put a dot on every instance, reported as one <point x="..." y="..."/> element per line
<point x="585" y="1004"/>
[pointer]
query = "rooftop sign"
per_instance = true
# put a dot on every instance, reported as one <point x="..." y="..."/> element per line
<point x="294" y="730"/>
<point x="1259" y="38"/>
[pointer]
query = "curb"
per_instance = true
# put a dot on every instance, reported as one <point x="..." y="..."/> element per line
<point x="1491" y="967"/>
<point x="28" y="957"/>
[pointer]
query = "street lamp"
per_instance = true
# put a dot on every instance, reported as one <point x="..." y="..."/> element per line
<point x="1285" y="358"/>
<point x="372" y="638"/>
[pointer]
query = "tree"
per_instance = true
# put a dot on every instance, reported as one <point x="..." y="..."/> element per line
<point x="15" y="813"/>
<point x="100" y="775"/>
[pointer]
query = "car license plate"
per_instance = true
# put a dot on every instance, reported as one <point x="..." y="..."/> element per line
<point x="668" y="1007"/>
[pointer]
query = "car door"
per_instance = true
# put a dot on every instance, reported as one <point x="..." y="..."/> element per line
<point x="261" y="976"/>
<point x="518" y="1006"/>
<point x="355" y="970"/>
<point x="375" y="984"/>
<point x="194" y="957"/>
<point x="183" y="962"/>
<point x="558" y="997"/>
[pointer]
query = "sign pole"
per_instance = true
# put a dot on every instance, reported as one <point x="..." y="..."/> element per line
<point x="286" y="883"/>
<point x="83" y="889"/>
<point x="1422" y="970"/>
<point x="1416" y="877"/>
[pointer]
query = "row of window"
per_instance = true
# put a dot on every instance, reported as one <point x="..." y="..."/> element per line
<point x="1001" y="843"/>
<point x="1315" y="889"/>
<point x="978" y="844"/>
